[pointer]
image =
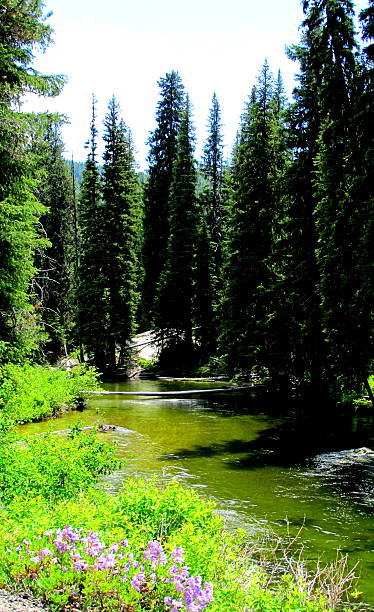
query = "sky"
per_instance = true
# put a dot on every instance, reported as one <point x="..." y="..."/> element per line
<point x="123" y="47"/>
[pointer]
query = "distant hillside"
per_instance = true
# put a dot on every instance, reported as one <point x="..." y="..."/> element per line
<point x="78" y="169"/>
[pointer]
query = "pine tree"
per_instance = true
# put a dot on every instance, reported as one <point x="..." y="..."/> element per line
<point x="55" y="280"/>
<point x="343" y="208"/>
<point x="163" y="147"/>
<point x="110" y="225"/>
<point x="122" y="223"/>
<point x="91" y="303"/>
<point x="212" y="168"/>
<point x="367" y="21"/>
<point x="176" y="288"/>
<point x="299" y="232"/>
<point x="258" y="161"/>
<point x="22" y="29"/>
<point x="210" y="229"/>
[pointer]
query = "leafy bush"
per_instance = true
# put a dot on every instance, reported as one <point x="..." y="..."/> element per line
<point x="148" y="365"/>
<point x="51" y="465"/>
<point x="29" y="393"/>
<point x="60" y="564"/>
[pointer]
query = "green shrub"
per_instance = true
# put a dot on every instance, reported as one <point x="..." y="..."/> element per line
<point x="51" y="465"/>
<point x="29" y="393"/>
<point x="148" y="365"/>
<point x="141" y="514"/>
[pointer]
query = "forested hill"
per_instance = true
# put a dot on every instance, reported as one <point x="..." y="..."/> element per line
<point x="257" y="262"/>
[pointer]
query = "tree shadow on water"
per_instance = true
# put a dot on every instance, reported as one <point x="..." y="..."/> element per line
<point x="292" y="443"/>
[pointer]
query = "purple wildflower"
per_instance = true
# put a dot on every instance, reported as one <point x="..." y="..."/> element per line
<point x="137" y="580"/>
<point x="177" y="554"/>
<point x="80" y="566"/>
<point x="45" y="552"/>
<point x="155" y="553"/>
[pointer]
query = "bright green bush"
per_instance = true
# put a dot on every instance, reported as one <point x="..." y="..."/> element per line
<point x="141" y="514"/>
<point x="52" y="465"/>
<point x="29" y="392"/>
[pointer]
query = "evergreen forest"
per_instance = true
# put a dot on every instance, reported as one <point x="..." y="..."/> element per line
<point x="254" y="263"/>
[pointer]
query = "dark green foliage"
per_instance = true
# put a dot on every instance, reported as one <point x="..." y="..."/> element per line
<point x="22" y="29"/>
<point x="163" y="147"/>
<point x="176" y="288"/>
<point x="54" y="281"/>
<point x="122" y="224"/>
<point x="110" y="222"/>
<point x="210" y="235"/>
<point x="343" y="208"/>
<point x="205" y="288"/>
<point x="90" y="298"/>
<point x="248" y="277"/>
<point x="212" y="168"/>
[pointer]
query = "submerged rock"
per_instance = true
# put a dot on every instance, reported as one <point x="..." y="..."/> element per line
<point x="351" y="456"/>
<point x="351" y="472"/>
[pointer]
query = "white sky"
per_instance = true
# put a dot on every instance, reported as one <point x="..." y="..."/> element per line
<point x="123" y="47"/>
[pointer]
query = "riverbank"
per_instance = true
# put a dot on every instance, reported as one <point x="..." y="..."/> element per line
<point x="65" y="540"/>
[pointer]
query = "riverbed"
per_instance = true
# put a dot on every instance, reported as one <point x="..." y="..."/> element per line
<point x="265" y="468"/>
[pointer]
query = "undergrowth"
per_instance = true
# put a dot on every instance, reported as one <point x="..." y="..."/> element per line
<point x="77" y="547"/>
<point x="31" y="392"/>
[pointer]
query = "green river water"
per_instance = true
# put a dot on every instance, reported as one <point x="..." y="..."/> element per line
<point x="263" y="469"/>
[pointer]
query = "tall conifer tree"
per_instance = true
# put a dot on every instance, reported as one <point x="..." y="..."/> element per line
<point x="22" y="30"/>
<point x="122" y="227"/>
<point x="176" y="288"/>
<point x="258" y="161"/>
<point x="343" y="208"/>
<point x="55" y="190"/>
<point x="110" y="221"/>
<point x="163" y="147"/>
<point x="91" y="301"/>
<point x="210" y="230"/>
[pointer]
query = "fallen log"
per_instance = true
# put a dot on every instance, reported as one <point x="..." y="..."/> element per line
<point x="175" y="393"/>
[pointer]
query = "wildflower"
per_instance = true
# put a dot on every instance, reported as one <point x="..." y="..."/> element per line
<point x="137" y="580"/>
<point x="80" y="566"/>
<point x="124" y="543"/>
<point x="113" y="548"/>
<point x="35" y="559"/>
<point x="206" y="595"/>
<point x="177" y="554"/>
<point x="106" y="561"/>
<point x="176" y="603"/>
<point x="45" y="552"/>
<point x="155" y="553"/>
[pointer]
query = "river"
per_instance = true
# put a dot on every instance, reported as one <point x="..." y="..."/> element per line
<point x="263" y="467"/>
